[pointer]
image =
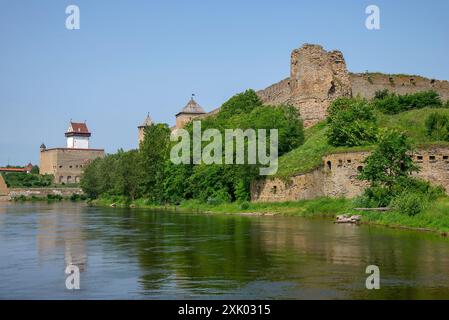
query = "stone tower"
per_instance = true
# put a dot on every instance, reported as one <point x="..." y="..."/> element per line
<point x="317" y="77"/>
<point x="77" y="136"/>
<point x="141" y="129"/>
<point x="190" y="111"/>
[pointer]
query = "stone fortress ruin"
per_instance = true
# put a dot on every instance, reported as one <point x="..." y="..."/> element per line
<point x="317" y="77"/>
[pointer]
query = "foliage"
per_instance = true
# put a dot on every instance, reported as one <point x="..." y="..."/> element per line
<point x="54" y="197"/>
<point x="351" y="122"/>
<point x="437" y="126"/>
<point x="391" y="103"/>
<point x="24" y="180"/>
<point x="390" y="161"/>
<point x="148" y="173"/>
<point x="154" y="152"/>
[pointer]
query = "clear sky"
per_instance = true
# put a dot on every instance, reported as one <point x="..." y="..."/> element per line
<point x="131" y="57"/>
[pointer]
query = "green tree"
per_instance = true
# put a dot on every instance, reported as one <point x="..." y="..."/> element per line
<point x="155" y="151"/>
<point x="351" y="122"/>
<point x="391" y="162"/>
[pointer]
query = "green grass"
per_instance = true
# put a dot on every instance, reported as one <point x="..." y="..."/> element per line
<point x="434" y="218"/>
<point x="309" y="156"/>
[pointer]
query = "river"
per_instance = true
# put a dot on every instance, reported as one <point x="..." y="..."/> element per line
<point x="143" y="254"/>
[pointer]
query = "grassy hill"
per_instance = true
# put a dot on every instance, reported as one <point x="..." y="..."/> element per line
<point x="308" y="156"/>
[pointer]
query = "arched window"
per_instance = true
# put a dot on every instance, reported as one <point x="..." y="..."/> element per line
<point x="329" y="165"/>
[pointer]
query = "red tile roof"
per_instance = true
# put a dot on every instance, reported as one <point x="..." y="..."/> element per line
<point x="13" y="169"/>
<point x="79" y="127"/>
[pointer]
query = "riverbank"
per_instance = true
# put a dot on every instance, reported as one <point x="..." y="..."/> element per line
<point x="434" y="218"/>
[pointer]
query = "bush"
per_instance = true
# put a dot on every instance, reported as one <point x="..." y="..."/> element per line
<point x="409" y="203"/>
<point x="214" y="201"/>
<point x="374" y="197"/>
<point x="437" y="126"/>
<point x="352" y="122"/>
<point x="56" y="197"/>
<point x="244" y="205"/>
<point x="391" y="103"/>
<point x="74" y="197"/>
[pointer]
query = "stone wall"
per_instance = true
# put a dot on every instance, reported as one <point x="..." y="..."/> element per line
<point x="366" y="84"/>
<point x="43" y="192"/>
<point x="317" y="77"/>
<point x="3" y="187"/>
<point x="337" y="177"/>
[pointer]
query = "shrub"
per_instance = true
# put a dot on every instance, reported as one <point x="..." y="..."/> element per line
<point x="74" y="197"/>
<point x="56" y="197"/>
<point x="352" y="122"/>
<point x="20" y="198"/>
<point x="214" y="201"/>
<point x="391" y="103"/>
<point x="244" y="205"/>
<point x="437" y="126"/>
<point x="374" y="197"/>
<point x="409" y="203"/>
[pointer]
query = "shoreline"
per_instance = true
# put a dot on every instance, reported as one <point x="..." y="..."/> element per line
<point x="316" y="208"/>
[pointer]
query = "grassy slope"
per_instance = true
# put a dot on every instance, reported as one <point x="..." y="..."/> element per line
<point x="308" y="156"/>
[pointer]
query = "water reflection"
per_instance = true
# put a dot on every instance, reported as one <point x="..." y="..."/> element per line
<point x="127" y="253"/>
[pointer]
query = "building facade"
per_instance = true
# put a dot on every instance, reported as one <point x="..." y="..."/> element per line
<point x="67" y="164"/>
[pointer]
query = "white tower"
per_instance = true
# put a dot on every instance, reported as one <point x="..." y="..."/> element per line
<point x="77" y="136"/>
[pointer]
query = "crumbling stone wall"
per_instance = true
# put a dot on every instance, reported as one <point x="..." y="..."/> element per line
<point x="317" y="77"/>
<point x="366" y="84"/>
<point x="337" y="177"/>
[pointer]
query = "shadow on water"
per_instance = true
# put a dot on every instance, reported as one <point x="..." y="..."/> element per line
<point x="134" y="253"/>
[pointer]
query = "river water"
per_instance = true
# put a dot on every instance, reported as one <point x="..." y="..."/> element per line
<point x="142" y="254"/>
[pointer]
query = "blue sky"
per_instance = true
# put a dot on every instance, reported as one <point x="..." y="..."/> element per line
<point x="131" y="57"/>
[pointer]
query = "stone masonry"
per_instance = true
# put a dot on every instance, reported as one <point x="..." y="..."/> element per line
<point x="67" y="164"/>
<point x="3" y="188"/>
<point x="337" y="177"/>
<point x="317" y="77"/>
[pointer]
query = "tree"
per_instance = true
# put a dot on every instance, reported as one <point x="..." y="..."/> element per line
<point x="155" y="151"/>
<point x="390" y="162"/>
<point x="351" y="122"/>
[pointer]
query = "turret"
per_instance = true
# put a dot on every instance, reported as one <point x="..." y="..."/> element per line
<point x="190" y="111"/>
<point x="77" y="136"/>
<point x="141" y="129"/>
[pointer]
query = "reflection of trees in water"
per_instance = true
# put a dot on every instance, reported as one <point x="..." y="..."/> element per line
<point x="215" y="253"/>
<point x="193" y="251"/>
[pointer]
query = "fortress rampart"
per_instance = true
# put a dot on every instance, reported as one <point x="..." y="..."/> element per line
<point x="337" y="177"/>
<point x="318" y="77"/>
